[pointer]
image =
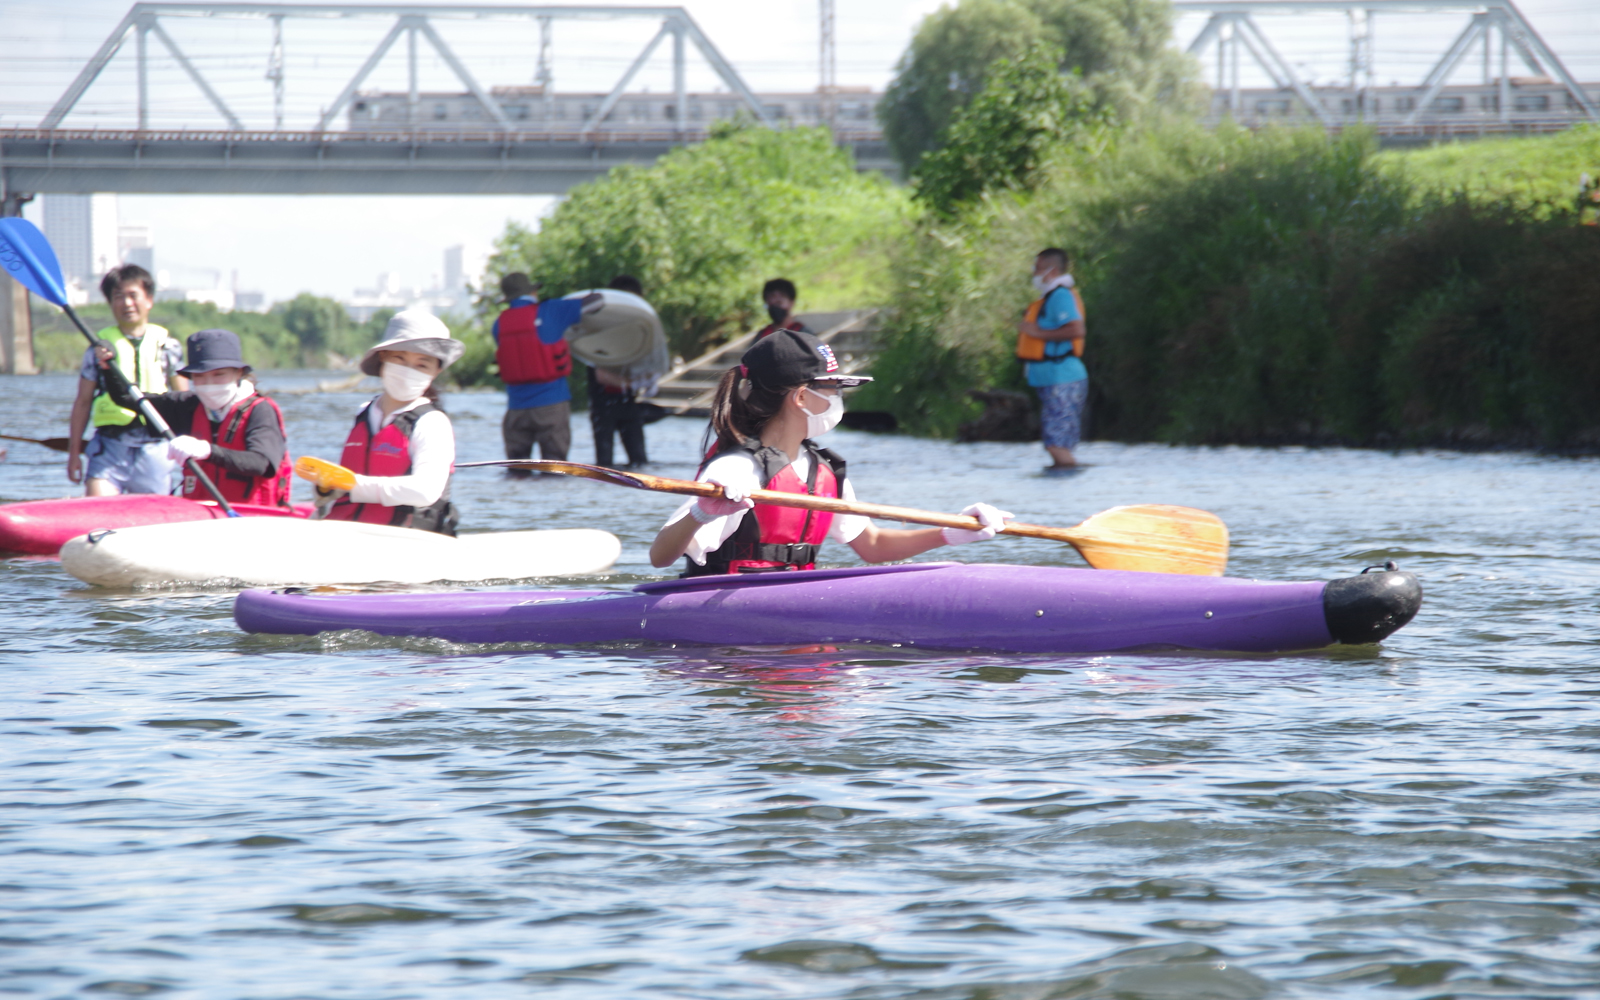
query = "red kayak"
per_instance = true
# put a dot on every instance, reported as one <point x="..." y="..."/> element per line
<point x="43" y="526"/>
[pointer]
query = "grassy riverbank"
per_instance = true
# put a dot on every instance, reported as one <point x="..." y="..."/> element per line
<point x="1275" y="287"/>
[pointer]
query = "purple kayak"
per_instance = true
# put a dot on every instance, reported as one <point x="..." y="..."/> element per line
<point x="1024" y="609"/>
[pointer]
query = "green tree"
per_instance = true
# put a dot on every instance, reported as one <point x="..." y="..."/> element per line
<point x="320" y="325"/>
<point x="703" y="227"/>
<point x="1004" y="137"/>
<point x="1119" y="48"/>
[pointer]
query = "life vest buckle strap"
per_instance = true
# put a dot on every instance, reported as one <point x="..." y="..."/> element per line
<point x="794" y="553"/>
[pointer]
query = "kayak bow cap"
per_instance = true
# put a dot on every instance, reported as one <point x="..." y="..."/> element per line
<point x="212" y="349"/>
<point x="415" y="330"/>
<point x="1371" y="607"/>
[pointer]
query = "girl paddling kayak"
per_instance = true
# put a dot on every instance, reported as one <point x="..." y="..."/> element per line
<point x="785" y="392"/>
<point x="396" y="464"/>
<point x="235" y="434"/>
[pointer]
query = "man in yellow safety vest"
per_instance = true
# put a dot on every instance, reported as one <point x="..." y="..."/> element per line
<point x="125" y="455"/>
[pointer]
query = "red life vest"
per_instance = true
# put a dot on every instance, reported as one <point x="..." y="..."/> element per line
<point x="771" y="537"/>
<point x="388" y="453"/>
<point x="267" y="491"/>
<point x="522" y="356"/>
<point x="792" y="323"/>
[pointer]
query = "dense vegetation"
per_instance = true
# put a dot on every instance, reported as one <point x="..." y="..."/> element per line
<point x="1268" y="287"/>
<point x="1118" y="49"/>
<point x="704" y="226"/>
<point x="307" y="331"/>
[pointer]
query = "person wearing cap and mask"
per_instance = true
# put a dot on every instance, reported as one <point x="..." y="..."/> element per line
<point x="766" y="412"/>
<point x="395" y="467"/>
<point x="235" y="434"/>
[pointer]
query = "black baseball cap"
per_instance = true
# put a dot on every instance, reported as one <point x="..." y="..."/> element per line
<point x="787" y="358"/>
<point x="213" y="349"/>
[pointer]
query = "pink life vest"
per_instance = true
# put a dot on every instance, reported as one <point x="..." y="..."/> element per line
<point x="388" y="453"/>
<point x="771" y="537"/>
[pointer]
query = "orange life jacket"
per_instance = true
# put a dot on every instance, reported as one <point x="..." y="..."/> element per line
<point x="1031" y="348"/>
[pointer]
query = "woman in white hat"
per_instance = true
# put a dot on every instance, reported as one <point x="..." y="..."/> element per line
<point x="396" y="464"/>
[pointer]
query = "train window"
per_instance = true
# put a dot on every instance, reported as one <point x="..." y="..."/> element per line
<point x="1532" y="102"/>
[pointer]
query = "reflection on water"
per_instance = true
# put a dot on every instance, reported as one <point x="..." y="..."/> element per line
<point x="194" y="812"/>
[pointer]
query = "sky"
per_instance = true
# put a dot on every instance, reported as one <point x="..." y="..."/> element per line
<point x="333" y="245"/>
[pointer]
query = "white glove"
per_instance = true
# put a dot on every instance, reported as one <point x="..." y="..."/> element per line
<point x="183" y="447"/>
<point x="708" y="509"/>
<point x="992" y="519"/>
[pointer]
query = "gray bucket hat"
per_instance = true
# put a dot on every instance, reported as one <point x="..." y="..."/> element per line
<point x="415" y="330"/>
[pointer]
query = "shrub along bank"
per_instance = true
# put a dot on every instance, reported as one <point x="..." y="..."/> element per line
<point x="306" y="331"/>
<point x="705" y="225"/>
<point x="1271" y="287"/>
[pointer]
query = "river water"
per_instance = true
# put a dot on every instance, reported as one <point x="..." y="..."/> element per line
<point x="193" y="812"/>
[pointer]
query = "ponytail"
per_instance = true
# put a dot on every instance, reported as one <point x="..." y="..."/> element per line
<point x="740" y="412"/>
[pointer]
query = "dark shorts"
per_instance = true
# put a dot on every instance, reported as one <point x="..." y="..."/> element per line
<point x="549" y="427"/>
<point x="1062" y="419"/>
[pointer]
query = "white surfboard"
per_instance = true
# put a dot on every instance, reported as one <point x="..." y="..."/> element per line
<point x="270" y="551"/>
<point x="626" y="334"/>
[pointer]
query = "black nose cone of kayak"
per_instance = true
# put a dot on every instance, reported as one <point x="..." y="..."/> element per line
<point x="1372" y="606"/>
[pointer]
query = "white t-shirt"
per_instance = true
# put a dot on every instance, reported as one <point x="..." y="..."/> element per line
<point x="433" y="453"/>
<point x="738" y="470"/>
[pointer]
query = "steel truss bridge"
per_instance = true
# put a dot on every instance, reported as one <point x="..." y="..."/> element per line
<point x="502" y="156"/>
<point x="1233" y="31"/>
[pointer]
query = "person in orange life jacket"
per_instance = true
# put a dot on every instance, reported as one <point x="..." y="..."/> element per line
<point x="780" y="295"/>
<point x="1059" y="377"/>
<point x="234" y="433"/>
<point x="531" y="349"/>
<point x="784" y="392"/>
<point x="397" y="460"/>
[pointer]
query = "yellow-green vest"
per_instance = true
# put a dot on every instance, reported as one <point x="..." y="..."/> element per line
<point x="142" y="365"/>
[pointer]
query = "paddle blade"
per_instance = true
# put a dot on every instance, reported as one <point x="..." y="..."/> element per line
<point x="28" y="258"/>
<point x="1155" y="538"/>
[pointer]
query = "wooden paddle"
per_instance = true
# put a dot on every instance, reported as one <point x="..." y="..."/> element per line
<point x="1152" y="538"/>
<point x="54" y="444"/>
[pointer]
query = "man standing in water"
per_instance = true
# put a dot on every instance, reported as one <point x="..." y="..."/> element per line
<point x="531" y="348"/>
<point x="125" y="455"/>
<point x="1050" y="338"/>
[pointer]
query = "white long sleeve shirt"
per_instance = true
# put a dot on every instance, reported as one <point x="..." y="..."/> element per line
<point x="433" y="453"/>
<point x="739" y="471"/>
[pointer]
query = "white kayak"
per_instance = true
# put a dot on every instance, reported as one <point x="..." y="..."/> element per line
<point x="271" y="551"/>
<point x="624" y="335"/>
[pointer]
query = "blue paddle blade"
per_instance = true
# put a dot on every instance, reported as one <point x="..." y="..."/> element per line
<point x="26" y="256"/>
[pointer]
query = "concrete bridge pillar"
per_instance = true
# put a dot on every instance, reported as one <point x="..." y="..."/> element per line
<point x="16" y="321"/>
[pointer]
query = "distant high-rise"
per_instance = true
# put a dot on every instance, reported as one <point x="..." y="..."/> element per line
<point x="83" y="230"/>
<point x="454" y="272"/>
<point x="134" y="246"/>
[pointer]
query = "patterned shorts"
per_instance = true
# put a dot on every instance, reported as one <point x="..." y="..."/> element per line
<point x="1062" y="419"/>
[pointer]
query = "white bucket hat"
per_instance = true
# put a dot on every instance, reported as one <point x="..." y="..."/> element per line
<point x="415" y="330"/>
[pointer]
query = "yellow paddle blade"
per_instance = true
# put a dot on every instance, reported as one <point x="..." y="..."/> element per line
<point x="326" y="475"/>
<point x="1154" y="538"/>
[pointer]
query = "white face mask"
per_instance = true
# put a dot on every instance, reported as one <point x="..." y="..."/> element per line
<point x="1043" y="285"/>
<point x="818" y="424"/>
<point x="218" y="398"/>
<point x="404" y="383"/>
